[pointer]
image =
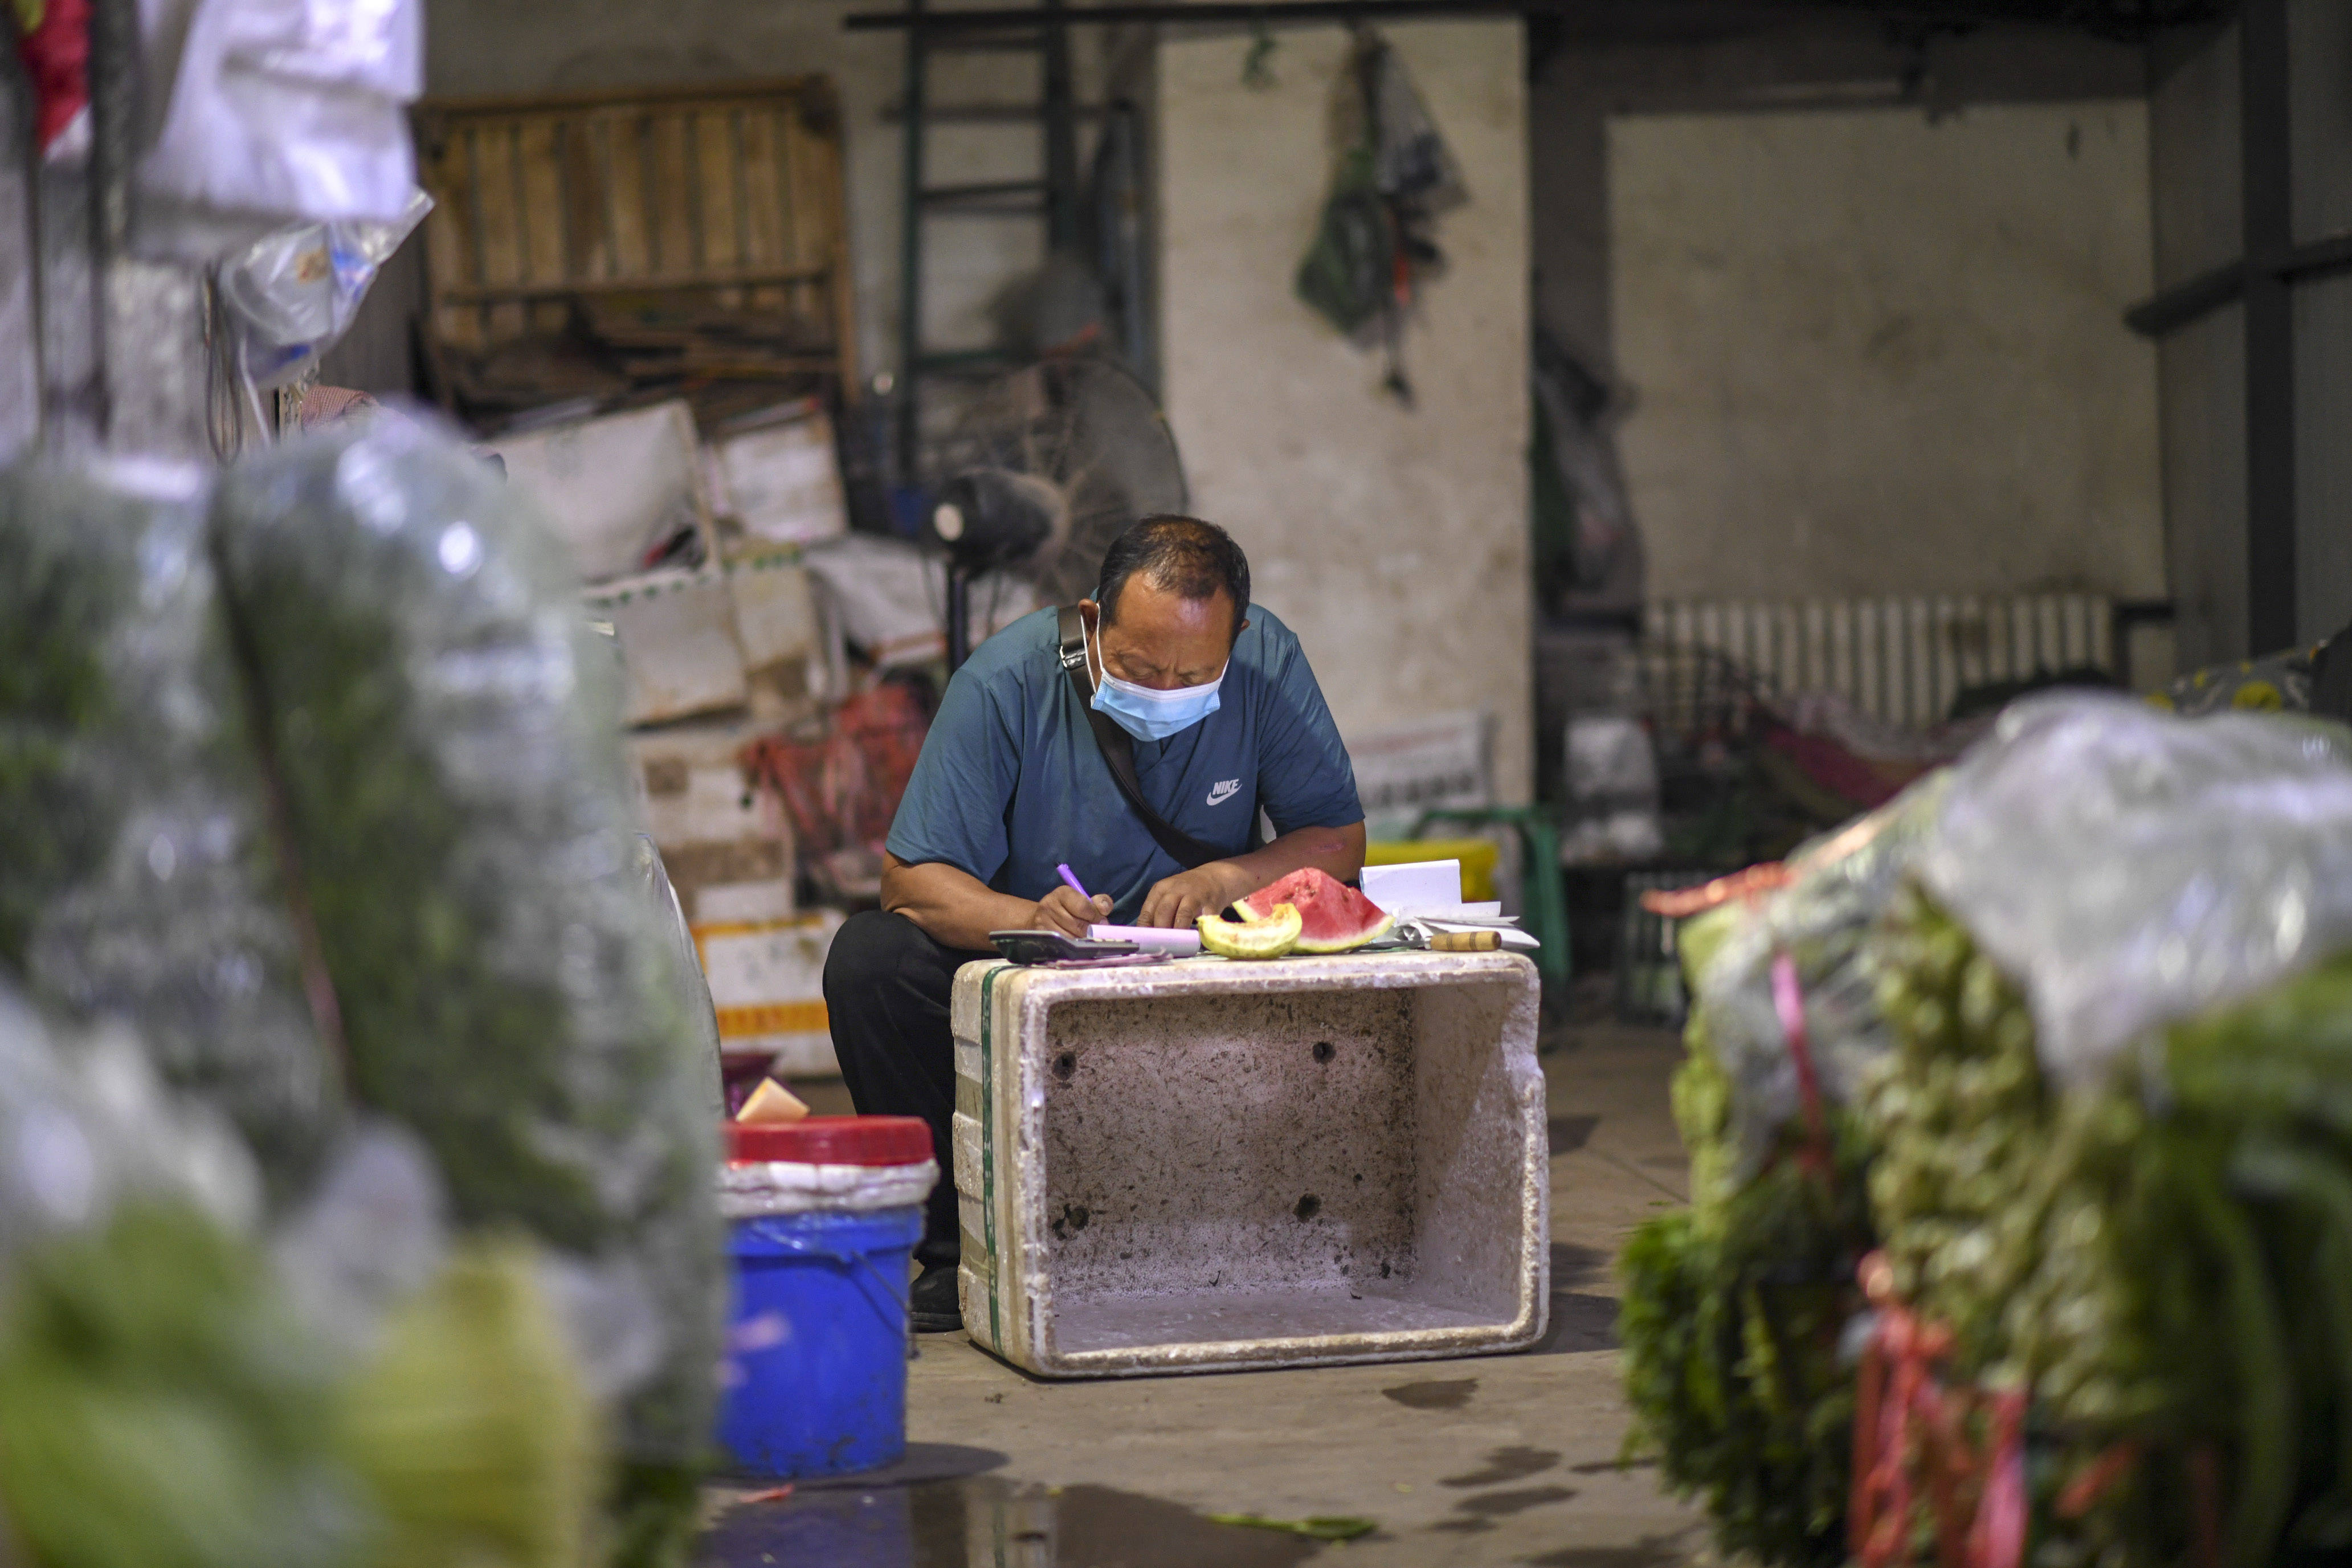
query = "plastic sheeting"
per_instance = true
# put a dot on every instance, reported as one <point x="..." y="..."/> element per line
<point x="84" y="1124"/>
<point x="750" y="1189"/>
<point x="445" y="729"/>
<point x="1823" y="920"/>
<point x="2130" y="867"/>
<point x="138" y="879"/>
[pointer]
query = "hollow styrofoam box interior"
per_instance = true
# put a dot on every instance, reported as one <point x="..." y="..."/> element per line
<point x="1284" y="1176"/>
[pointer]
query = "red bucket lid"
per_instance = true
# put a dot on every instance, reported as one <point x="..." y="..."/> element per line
<point x="835" y="1141"/>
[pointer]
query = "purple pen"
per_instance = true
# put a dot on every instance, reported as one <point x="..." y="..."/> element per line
<point x="1075" y="885"/>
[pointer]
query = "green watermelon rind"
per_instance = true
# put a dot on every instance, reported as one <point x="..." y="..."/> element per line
<point x="1282" y="891"/>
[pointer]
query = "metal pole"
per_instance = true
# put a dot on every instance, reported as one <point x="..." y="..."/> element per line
<point x="113" y="143"/>
<point x="2267" y="137"/>
<point x="910" y="264"/>
<point x="19" y="143"/>
<point x="958" y="615"/>
<point x="1061" y="134"/>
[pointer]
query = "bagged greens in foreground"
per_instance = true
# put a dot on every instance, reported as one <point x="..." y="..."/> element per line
<point x="2129" y="867"/>
<point x="446" y="731"/>
<point x="1735" y="1309"/>
<point x="160" y="1403"/>
<point x="179" y="1391"/>
<point x="136" y="879"/>
<point x="1822" y="919"/>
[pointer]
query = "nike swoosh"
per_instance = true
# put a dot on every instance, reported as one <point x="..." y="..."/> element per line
<point x="1220" y="794"/>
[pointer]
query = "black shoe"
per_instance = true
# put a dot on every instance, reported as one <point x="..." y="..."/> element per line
<point x="931" y="1303"/>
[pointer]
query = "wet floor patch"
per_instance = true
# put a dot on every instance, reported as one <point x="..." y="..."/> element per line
<point x="1650" y="1552"/>
<point x="1444" y="1394"/>
<point x="1506" y="1465"/>
<point x="1503" y="1504"/>
<point x="984" y="1521"/>
<point x="1580" y="1321"/>
<point x="1567" y="1134"/>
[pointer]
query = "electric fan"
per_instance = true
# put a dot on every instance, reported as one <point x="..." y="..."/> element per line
<point x="1046" y="468"/>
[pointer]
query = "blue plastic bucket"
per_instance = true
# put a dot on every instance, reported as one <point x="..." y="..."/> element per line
<point x="815" y="1379"/>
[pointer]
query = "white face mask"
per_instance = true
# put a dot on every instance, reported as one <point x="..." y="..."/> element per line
<point x="1146" y="713"/>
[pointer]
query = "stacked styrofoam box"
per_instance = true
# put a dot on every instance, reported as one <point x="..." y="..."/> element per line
<point x="1208" y="1165"/>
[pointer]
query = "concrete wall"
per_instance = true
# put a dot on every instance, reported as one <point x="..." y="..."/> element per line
<point x="1763" y="60"/>
<point x="2319" y="43"/>
<point x="1395" y="541"/>
<point x="1875" y="353"/>
<point x="2195" y="181"/>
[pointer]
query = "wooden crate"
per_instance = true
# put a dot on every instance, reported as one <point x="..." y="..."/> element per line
<point x="724" y="196"/>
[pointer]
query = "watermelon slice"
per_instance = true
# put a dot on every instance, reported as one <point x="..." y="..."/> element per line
<point x="1333" y="917"/>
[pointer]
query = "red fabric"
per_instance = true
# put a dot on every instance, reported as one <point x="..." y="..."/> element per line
<point x="56" y="56"/>
<point x="1842" y="772"/>
<point x="1789" y="1002"/>
<point x="842" y="790"/>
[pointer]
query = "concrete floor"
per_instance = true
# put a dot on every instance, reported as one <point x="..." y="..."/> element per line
<point x="1501" y="1459"/>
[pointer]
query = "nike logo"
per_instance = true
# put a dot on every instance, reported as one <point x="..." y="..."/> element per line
<point x="1224" y="791"/>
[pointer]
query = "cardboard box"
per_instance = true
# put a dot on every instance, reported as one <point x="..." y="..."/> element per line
<point x="767" y="982"/>
<point x="1439" y="761"/>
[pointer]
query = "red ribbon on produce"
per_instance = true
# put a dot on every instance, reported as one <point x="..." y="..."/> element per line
<point x="1789" y="1002"/>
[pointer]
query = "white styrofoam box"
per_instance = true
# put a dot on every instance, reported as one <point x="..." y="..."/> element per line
<point x="1413" y="885"/>
<point x="1402" y="772"/>
<point x="886" y="595"/>
<point x="677" y="632"/>
<point x="612" y="487"/>
<point x="700" y="803"/>
<point x="775" y="619"/>
<point x="781" y="481"/>
<point x="715" y="830"/>
<point x="1204" y="1166"/>
<point x="767" y="984"/>
<point x="723" y="903"/>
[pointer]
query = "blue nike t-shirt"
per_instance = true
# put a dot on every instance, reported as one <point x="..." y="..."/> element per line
<point x="1011" y="783"/>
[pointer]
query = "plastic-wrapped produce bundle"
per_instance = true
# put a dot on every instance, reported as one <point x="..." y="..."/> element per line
<point x="2129" y="866"/>
<point x="136" y="874"/>
<point x="2111" y="1160"/>
<point x="1822" y="920"/>
<point x="688" y="985"/>
<point x="159" y="1402"/>
<point x="173" y="1392"/>
<point x="1735" y="1311"/>
<point x="445" y="730"/>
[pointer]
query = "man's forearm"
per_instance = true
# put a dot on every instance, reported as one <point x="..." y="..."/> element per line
<point x="1338" y="851"/>
<point x="954" y="908"/>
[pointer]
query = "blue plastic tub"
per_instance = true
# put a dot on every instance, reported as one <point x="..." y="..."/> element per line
<point x="816" y="1380"/>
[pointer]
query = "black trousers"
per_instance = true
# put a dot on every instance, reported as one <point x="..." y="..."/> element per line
<point x="886" y="987"/>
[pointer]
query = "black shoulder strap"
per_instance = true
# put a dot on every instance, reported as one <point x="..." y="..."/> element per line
<point x="1118" y="750"/>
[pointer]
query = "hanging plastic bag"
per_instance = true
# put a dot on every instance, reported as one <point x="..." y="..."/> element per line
<point x="282" y="111"/>
<point x="293" y="293"/>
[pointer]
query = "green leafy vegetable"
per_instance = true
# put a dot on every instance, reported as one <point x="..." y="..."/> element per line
<point x="444" y="727"/>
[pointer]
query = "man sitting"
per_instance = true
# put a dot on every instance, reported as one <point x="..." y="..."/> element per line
<point x="1225" y="718"/>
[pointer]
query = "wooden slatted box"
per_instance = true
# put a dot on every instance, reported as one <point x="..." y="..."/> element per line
<point x="720" y="199"/>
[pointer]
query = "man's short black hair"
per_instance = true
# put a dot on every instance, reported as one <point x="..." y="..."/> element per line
<point x="1185" y="555"/>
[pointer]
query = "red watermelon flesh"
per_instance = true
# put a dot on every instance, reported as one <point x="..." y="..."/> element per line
<point x="1333" y="917"/>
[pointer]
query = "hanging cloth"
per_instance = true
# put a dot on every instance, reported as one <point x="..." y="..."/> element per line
<point x="1375" y="242"/>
